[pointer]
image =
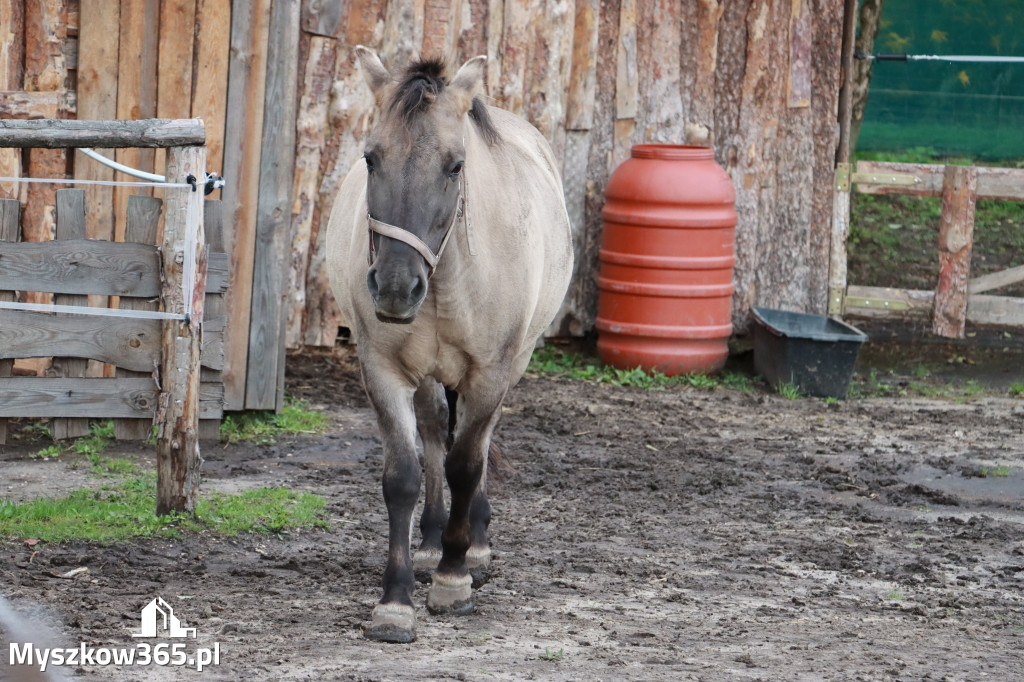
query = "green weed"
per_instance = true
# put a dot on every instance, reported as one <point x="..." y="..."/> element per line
<point x="552" y="656"/>
<point x="788" y="390"/>
<point x="47" y="452"/>
<point x="263" y="427"/>
<point x="998" y="472"/>
<point x="1017" y="389"/>
<point x="896" y="595"/>
<point x="831" y="401"/>
<point x="99" y="438"/>
<point x="126" y="509"/>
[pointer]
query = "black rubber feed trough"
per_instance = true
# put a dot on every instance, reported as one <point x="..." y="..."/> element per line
<point x="814" y="353"/>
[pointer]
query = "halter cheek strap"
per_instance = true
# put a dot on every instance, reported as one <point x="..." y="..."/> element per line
<point x="407" y="237"/>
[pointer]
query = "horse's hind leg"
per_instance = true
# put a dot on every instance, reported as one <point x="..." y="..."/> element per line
<point x="394" y="617"/>
<point x="432" y="424"/>
<point x="478" y="556"/>
<point x="465" y="466"/>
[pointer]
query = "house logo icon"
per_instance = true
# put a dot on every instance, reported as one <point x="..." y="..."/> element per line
<point x="158" y="620"/>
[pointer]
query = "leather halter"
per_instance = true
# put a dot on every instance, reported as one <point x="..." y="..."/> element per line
<point x="407" y="237"/>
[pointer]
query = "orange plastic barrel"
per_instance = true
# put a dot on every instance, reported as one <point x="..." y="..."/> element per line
<point x="665" y="287"/>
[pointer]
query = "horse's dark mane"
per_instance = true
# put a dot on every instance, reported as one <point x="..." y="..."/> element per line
<point x="421" y="83"/>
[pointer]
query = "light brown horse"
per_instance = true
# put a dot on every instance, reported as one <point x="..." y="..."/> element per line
<point x="449" y="253"/>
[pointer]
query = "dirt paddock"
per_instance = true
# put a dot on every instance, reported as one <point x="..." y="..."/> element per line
<point x="669" y="535"/>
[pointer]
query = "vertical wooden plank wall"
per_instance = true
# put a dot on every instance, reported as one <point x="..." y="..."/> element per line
<point x="12" y="46"/>
<point x="10" y="231"/>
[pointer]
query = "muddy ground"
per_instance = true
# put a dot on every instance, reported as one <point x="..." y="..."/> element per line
<point x="670" y="535"/>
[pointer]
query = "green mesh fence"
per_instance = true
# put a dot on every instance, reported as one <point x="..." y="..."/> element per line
<point x="970" y="109"/>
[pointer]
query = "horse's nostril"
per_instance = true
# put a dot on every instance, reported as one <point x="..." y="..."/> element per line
<point x="419" y="290"/>
<point x="371" y="283"/>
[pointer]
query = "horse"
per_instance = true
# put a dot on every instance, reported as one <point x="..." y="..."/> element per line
<point x="449" y="253"/>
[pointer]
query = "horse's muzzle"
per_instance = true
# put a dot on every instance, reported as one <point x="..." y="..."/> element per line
<point x="396" y="298"/>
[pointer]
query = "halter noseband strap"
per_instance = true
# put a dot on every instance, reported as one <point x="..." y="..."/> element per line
<point x="403" y="235"/>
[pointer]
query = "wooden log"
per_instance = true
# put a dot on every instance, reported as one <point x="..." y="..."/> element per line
<point x="437" y="27"/>
<point x="129" y="343"/>
<point x="215" y="314"/>
<point x="210" y="91"/>
<point x="659" y="45"/>
<point x="70" y="225"/>
<point x="136" y="96"/>
<point x="178" y="459"/>
<point x="322" y="17"/>
<point x="37" y="105"/>
<point x="101" y="133"/>
<point x="956" y="239"/>
<point x="472" y="38"/>
<point x="800" y="42"/>
<point x="246" y="86"/>
<point x="10" y="230"/>
<point x="96" y="398"/>
<point x="311" y="126"/>
<point x="517" y="45"/>
<point x="1000" y="184"/>
<point x="141" y="226"/>
<point x="12" y="48"/>
<point x="495" y="50"/>
<point x="265" y="377"/>
<point x="837" y="252"/>
<point x="917" y="305"/>
<point x="626" y="81"/>
<point x="403" y="31"/>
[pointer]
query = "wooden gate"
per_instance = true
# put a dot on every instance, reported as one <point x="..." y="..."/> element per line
<point x="958" y="298"/>
<point x="157" y="353"/>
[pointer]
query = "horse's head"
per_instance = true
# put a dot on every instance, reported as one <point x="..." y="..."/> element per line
<point x="415" y="156"/>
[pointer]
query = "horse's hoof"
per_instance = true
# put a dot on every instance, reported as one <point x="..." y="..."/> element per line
<point x="450" y="595"/>
<point x="424" y="562"/>
<point x="394" y="623"/>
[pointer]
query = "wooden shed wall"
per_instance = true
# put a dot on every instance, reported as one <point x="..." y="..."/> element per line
<point x="757" y="79"/>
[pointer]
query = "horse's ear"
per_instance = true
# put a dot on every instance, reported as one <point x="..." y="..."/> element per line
<point x="469" y="81"/>
<point x="377" y="77"/>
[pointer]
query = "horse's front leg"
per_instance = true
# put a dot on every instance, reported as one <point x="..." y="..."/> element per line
<point x="394" y="618"/>
<point x="465" y="468"/>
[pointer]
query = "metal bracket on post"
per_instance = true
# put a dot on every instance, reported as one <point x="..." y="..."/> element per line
<point x="836" y="300"/>
<point x="842" y="177"/>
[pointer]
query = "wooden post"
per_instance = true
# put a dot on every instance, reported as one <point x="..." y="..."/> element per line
<point x="956" y="239"/>
<point x="177" y="447"/>
<point x="264" y="384"/>
<point x="12" y="59"/>
<point x="10" y="229"/>
<point x="141" y="225"/>
<point x="70" y="225"/>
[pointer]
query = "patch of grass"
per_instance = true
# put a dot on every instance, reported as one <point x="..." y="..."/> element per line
<point x="1017" y="389"/>
<point x="99" y="438"/>
<point x="554" y="363"/>
<point x="552" y="656"/>
<point x="831" y="400"/>
<point x="788" y="390"/>
<point x="264" y="427"/>
<point x="896" y="595"/>
<point x="126" y="509"/>
<point x="998" y="472"/>
<point x="38" y="429"/>
<point x="738" y="382"/>
<point x="47" y="452"/>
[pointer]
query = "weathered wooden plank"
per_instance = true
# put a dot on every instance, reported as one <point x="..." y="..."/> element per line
<point x="995" y="280"/>
<point x="210" y="89"/>
<point x="495" y="50"/>
<point x="311" y="126"/>
<point x="583" y="81"/>
<point x="96" y="398"/>
<point x="101" y="133"/>
<point x="214" y="316"/>
<point x="517" y="46"/>
<point x="1002" y="184"/>
<point x="177" y="443"/>
<point x="626" y="81"/>
<point x="265" y="377"/>
<point x="403" y="32"/>
<point x="142" y="225"/>
<point x="322" y="17"/>
<point x="800" y="39"/>
<point x="79" y="266"/>
<point x="136" y="95"/>
<point x="12" y="48"/>
<point x="837" y="268"/>
<point x="37" y="105"/>
<point x="549" y="70"/>
<point x="10" y="230"/>
<point x="129" y="343"/>
<point x="174" y="65"/>
<point x="98" y="43"/>
<point x="917" y="305"/>
<point x="70" y="225"/>
<point x="250" y="24"/>
<point x="956" y="240"/>
<point x="659" y="45"/>
<point x="437" y="27"/>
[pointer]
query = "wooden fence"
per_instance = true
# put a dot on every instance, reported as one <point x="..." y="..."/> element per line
<point x="958" y="298"/>
<point x="286" y="112"/>
<point x="158" y="377"/>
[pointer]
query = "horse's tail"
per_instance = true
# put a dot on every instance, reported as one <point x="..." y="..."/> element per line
<point x="499" y="469"/>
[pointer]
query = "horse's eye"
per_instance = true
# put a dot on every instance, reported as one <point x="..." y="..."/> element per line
<point x="455" y="169"/>
<point x="369" y="162"/>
